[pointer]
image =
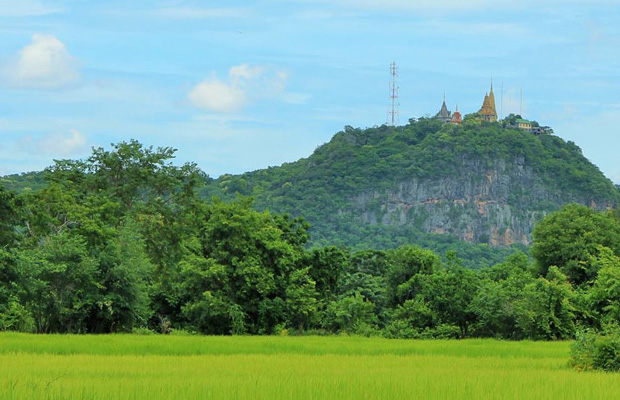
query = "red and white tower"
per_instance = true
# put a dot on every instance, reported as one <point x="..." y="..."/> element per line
<point x="393" y="113"/>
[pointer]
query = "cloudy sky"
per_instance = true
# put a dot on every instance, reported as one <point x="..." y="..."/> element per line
<point x="237" y="86"/>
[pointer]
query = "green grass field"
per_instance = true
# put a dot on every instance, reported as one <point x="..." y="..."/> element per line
<point x="161" y="367"/>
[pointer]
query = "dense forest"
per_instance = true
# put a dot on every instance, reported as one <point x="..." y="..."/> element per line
<point x="123" y="241"/>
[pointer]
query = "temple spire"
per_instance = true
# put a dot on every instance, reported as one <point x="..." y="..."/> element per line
<point x="456" y="116"/>
<point x="444" y="114"/>
<point x="488" y="111"/>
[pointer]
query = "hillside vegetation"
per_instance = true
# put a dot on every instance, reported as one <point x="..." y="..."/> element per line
<point x="428" y="183"/>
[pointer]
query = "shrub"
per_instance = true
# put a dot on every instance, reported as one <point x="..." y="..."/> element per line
<point x="592" y="351"/>
<point x="582" y="351"/>
<point x="142" y="331"/>
<point x="443" y="331"/>
<point x="400" y="329"/>
<point x="362" y="328"/>
<point x="607" y="353"/>
<point x="15" y="317"/>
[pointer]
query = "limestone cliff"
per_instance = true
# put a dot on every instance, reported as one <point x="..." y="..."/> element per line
<point x="497" y="204"/>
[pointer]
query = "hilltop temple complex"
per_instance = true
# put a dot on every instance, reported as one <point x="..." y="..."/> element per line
<point x="487" y="112"/>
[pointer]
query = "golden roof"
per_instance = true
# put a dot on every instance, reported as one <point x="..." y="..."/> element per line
<point x="488" y="107"/>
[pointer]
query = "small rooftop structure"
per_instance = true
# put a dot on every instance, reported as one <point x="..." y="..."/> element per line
<point x="456" y="117"/>
<point x="523" y="124"/>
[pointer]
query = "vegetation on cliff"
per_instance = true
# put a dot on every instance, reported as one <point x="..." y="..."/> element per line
<point x="356" y="160"/>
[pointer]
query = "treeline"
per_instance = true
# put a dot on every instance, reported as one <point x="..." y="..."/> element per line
<point x="120" y="242"/>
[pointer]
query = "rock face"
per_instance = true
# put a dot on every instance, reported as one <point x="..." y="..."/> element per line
<point x="497" y="204"/>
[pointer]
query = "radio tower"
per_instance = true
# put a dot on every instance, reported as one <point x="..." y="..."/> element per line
<point x="393" y="113"/>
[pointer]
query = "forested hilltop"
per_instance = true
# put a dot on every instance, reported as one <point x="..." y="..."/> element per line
<point x="427" y="182"/>
<point x="121" y="242"/>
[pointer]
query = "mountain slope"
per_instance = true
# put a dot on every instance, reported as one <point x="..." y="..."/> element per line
<point x="384" y="186"/>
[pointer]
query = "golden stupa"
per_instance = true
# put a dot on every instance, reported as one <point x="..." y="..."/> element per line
<point x="488" y="112"/>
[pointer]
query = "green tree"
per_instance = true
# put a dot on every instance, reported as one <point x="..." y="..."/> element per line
<point x="449" y="293"/>
<point x="604" y="296"/>
<point x="8" y="218"/>
<point x="13" y="314"/>
<point x="366" y="275"/>
<point x="545" y="309"/>
<point x="9" y="280"/>
<point x="301" y="299"/>
<point x="124" y="276"/>
<point x="410" y="319"/>
<point x="133" y="208"/>
<point x="407" y="266"/>
<point x="243" y="260"/>
<point x="350" y="314"/>
<point x="129" y="173"/>
<point x="204" y="297"/>
<point x="569" y="238"/>
<point x="60" y="284"/>
<point x="500" y="288"/>
<point x="138" y="181"/>
<point x="328" y="266"/>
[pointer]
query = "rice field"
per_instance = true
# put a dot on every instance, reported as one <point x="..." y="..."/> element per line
<point x="194" y="367"/>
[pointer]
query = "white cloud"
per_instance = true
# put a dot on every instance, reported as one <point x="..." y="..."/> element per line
<point x="244" y="71"/>
<point x="44" y="63"/>
<point x="244" y="84"/>
<point x="24" y="8"/>
<point x="216" y="95"/>
<point x="56" y="145"/>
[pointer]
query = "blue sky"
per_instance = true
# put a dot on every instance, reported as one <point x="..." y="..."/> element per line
<point x="237" y="86"/>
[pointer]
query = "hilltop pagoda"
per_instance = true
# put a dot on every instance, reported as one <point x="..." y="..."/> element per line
<point x="444" y="115"/>
<point x="488" y="112"/>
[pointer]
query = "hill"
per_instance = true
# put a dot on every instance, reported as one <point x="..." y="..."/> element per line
<point x="427" y="182"/>
<point x="477" y="189"/>
<point x="24" y="181"/>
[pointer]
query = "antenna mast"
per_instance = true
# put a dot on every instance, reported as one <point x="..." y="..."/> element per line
<point x="393" y="114"/>
<point x="501" y="107"/>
